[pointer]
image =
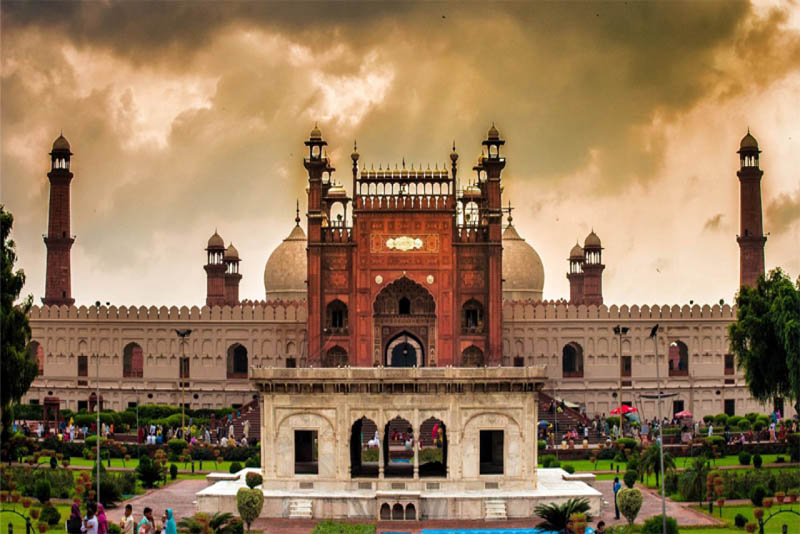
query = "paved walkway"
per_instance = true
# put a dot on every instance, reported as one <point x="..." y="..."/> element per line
<point x="651" y="506"/>
<point x="179" y="496"/>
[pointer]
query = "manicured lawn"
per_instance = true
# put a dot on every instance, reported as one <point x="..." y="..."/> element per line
<point x="774" y="526"/>
<point x="610" y="465"/>
<point x="19" y="524"/>
<point x="133" y="463"/>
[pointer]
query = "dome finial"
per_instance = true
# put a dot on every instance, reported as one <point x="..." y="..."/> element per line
<point x="297" y="213"/>
<point x="510" y="209"/>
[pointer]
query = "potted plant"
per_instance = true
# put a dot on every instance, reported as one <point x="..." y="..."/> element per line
<point x="750" y="527"/>
<point x="579" y="522"/>
<point x="758" y="513"/>
<point x="780" y="496"/>
<point x="791" y="495"/>
<point x="767" y="503"/>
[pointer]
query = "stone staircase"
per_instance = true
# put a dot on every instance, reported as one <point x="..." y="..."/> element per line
<point x="300" y="509"/>
<point x="495" y="510"/>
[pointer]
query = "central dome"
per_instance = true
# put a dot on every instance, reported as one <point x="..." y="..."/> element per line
<point x="285" y="272"/>
<point x="523" y="272"/>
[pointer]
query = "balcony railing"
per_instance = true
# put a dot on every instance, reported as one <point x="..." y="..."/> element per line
<point x="573" y="374"/>
<point x="678" y="372"/>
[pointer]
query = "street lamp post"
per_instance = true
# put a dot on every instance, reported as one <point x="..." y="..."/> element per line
<point x="620" y="331"/>
<point x="97" y="392"/>
<point x="183" y="334"/>
<point x="654" y="335"/>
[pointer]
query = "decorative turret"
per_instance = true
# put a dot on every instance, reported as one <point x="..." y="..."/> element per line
<point x="232" y="277"/>
<point x="592" y="270"/>
<point x="215" y="271"/>
<point x="58" y="283"/>
<point x="751" y="237"/>
<point x="575" y="274"/>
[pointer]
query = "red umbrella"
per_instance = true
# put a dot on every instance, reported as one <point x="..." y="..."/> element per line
<point x="625" y="409"/>
<point x="685" y="414"/>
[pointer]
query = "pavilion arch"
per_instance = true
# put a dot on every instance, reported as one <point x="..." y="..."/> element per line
<point x="572" y="360"/>
<point x="472" y="357"/>
<point x="335" y="357"/>
<point x="678" y="358"/>
<point x="36" y="352"/>
<point x="432" y="438"/>
<point x="398" y="513"/>
<point x="411" y="512"/>
<point x="398" y="448"/>
<point x="237" y="361"/>
<point x="132" y="361"/>
<point x="472" y="320"/>
<point x="336" y="317"/>
<point x="386" y="512"/>
<point x="364" y="444"/>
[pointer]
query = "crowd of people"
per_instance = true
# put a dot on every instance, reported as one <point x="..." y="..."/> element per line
<point x="96" y="522"/>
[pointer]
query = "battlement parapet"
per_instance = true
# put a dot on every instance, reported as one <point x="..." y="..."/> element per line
<point x="271" y="311"/>
<point x="530" y="310"/>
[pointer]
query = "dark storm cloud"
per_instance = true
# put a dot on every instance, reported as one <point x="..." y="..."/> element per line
<point x="783" y="212"/>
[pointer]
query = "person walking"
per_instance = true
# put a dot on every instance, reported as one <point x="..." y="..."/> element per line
<point x="90" y="522"/>
<point x="170" y="527"/>
<point x="617" y="487"/>
<point x="74" y="523"/>
<point x="128" y="522"/>
<point x="102" y="520"/>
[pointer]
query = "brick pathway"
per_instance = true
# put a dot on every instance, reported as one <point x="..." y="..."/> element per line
<point x="179" y="496"/>
<point x="651" y="505"/>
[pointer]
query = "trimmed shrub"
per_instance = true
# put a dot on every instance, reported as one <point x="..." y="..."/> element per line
<point x="740" y="521"/>
<point x="542" y="445"/>
<point x="752" y="416"/>
<point x="743" y="425"/>
<point x="630" y="478"/>
<point x="253" y="479"/>
<point x="176" y="446"/>
<point x="721" y="419"/>
<point x="780" y="460"/>
<point x="627" y="443"/>
<point x="671" y="483"/>
<point x="255" y="461"/>
<point x="235" y="467"/>
<point x="653" y="525"/>
<point x="757" y="461"/>
<point x="569" y="468"/>
<point x="629" y="502"/>
<point x="42" y="490"/>
<point x="744" y="458"/>
<point x="173" y="471"/>
<point x="148" y="471"/>
<point x="757" y="495"/>
<point x="114" y="528"/>
<point x="50" y="515"/>
<point x="548" y="459"/>
<point x="249" y="503"/>
<point x="708" y="419"/>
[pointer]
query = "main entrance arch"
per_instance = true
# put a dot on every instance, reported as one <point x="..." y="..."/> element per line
<point x="404" y="321"/>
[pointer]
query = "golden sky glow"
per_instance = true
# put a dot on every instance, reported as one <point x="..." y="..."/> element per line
<point x="186" y="117"/>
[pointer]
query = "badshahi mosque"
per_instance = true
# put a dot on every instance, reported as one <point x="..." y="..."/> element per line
<point x="407" y="301"/>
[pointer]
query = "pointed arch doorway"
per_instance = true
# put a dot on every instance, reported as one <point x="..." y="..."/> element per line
<point x="404" y="321"/>
<point x="404" y="350"/>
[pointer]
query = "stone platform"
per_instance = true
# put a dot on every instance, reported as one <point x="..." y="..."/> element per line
<point x="553" y="486"/>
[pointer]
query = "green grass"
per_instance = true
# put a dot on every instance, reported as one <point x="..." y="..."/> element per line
<point x="774" y="526"/>
<point x="133" y="463"/>
<point x="610" y="465"/>
<point x="19" y="524"/>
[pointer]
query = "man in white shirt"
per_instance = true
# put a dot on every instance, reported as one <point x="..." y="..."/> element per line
<point x="90" y="523"/>
<point x="710" y="429"/>
<point x="128" y="522"/>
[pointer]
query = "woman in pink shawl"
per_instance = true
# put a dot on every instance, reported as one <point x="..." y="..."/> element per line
<point x="102" y="522"/>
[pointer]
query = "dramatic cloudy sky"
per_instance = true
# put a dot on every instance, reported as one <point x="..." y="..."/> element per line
<point x="186" y="117"/>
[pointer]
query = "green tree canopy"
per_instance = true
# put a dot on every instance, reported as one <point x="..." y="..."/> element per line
<point x="19" y="367"/>
<point x="766" y="337"/>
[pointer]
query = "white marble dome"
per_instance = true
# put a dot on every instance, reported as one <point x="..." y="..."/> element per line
<point x="523" y="272"/>
<point x="285" y="272"/>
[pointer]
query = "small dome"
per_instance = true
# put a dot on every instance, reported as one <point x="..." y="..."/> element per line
<point x="523" y="271"/>
<point x="471" y="191"/>
<point x="231" y="253"/>
<point x="337" y="191"/>
<point x="285" y="272"/>
<point x="316" y="133"/>
<point x="355" y="155"/>
<point x="216" y="242"/>
<point x="592" y="241"/>
<point x="493" y="133"/>
<point x="61" y="143"/>
<point x="576" y="253"/>
<point x="454" y="154"/>
<point x="748" y="141"/>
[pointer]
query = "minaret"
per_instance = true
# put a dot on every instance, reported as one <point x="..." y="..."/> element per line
<point x="58" y="284"/>
<point x="494" y="164"/>
<point x="592" y="270"/>
<point x="315" y="164"/>
<point x="215" y="271"/>
<point x="575" y="274"/>
<point x="232" y="276"/>
<point x="751" y="238"/>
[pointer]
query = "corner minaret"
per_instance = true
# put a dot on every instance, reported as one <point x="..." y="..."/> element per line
<point x="232" y="276"/>
<point x="215" y="271"/>
<point x="58" y="283"/>
<point x="575" y="275"/>
<point x="751" y="238"/>
<point x="592" y="270"/>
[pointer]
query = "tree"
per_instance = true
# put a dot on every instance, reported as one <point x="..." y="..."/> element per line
<point x="19" y="367"/>
<point x="200" y="523"/>
<point x="249" y="503"/>
<point x="629" y="502"/>
<point x="692" y="482"/>
<point x="766" y="337"/>
<point x="556" y="515"/>
<point x="650" y="461"/>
